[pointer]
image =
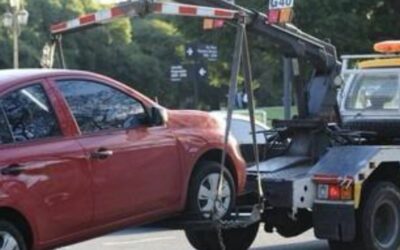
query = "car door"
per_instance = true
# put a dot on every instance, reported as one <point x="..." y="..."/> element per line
<point x="136" y="168"/>
<point x="44" y="170"/>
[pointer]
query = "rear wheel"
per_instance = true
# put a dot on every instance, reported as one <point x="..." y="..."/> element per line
<point x="379" y="222"/>
<point x="10" y="237"/>
<point x="337" y="245"/>
<point x="381" y="218"/>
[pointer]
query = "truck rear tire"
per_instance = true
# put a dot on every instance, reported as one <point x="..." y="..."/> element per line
<point x="338" y="245"/>
<point x="379" y="222"/>
<point x="233" y="239"/>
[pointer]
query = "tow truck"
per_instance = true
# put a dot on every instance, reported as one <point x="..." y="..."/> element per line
<point x="335" y="175"/>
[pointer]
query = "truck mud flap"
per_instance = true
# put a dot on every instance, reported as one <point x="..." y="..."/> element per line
<point x="334" y="222"/>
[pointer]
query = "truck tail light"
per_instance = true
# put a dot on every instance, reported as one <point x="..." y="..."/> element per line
<point x="334" y="192"/>
<point x="334" y="188"/>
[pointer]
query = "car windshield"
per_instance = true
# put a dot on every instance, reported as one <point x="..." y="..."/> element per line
<point x="374" y="92"/>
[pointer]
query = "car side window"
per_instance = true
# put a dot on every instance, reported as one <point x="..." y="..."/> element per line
<point x="5" y="132"/>
<point x="29" y="114"/>
<point x="97" y="107"/>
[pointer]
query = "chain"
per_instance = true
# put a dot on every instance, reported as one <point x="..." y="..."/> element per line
<point x="220" y="238"/>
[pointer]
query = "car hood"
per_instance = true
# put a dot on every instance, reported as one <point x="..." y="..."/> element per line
<point x="192" y="119"/>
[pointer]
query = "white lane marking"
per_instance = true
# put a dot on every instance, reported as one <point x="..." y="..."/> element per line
<point x="138" y="241"/>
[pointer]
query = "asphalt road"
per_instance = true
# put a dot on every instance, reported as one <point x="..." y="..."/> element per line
<point x="160" y="239"/>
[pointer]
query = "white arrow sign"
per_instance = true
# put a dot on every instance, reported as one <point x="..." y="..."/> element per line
<point x="202" y="71"/>
<point x="189" y="51"/>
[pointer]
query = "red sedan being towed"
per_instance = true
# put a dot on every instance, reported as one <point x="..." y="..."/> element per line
<point x="82" y="155"/>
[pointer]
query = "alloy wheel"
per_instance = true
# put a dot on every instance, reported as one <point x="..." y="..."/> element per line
<point x="207" y="196"/>
<point x="8" y="242"/>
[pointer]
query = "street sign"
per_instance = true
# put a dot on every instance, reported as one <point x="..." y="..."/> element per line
<point x="205" y="51"/>
<point x="201" y="72"/>
<point x="178" y="73"/>
<point x="280" y="4"/>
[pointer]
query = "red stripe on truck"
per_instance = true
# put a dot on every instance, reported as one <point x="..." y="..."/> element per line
<point x="58" y="27"/>
<point x="187" y="10"/>
<point x="91" y="18"/>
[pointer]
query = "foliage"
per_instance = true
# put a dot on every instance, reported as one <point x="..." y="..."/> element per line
<point x="140" y="52"/>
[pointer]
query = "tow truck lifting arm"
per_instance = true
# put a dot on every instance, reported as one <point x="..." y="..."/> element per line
<point x="293" y="42"/>
<point x="318" y="98"/>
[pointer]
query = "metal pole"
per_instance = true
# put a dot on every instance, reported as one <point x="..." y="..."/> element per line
<point x="196" y="87"/>
<point x="237" y="60"/>
<point x="287" y="91"/>
<point x="15" y="31"/>
<point x="251" y="106"/>
<point x="61" y="57"/>
<point x="15" y="9"/>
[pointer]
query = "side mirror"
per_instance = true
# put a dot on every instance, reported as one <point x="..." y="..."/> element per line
<point x="157" y="116"/>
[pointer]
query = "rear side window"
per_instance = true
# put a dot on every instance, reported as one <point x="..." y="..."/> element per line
<point x="98" y="107"/>
<point x="29" y="114"/>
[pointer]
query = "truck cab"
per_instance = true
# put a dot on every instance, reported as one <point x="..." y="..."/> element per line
<point x="370" y="98"/>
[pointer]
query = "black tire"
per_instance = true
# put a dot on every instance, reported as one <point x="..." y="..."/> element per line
<point x="378" y="223"/>
<point x="337" y="245"/>
<point x="205" y="169"/>
<point x="233" y="239"/>
<point x="7" y="229"/>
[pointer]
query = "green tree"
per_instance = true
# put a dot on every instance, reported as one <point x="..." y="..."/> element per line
<point x="140" y="51"/>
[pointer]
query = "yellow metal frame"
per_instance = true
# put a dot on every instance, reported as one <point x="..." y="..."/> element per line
<point x="380" y="63"/>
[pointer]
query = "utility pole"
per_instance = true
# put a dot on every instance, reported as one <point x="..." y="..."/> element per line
<point x="13" y="19"/>
<point x="287" y="91"/>
<point x="15" y="34"/>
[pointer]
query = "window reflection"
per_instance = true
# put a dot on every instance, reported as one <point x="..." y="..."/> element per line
<point x="29" y="114"/>
<point x="374" y="92"/>
<point x="98" y="107"/>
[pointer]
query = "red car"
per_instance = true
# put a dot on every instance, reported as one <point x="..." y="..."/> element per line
<point x="82" y="155"/>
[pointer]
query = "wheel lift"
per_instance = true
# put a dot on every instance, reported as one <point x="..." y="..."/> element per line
<point x="241" y="57"/>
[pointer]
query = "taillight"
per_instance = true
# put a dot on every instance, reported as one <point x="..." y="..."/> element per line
<point x="334" y="192"/>
<point x="334" y="188"/>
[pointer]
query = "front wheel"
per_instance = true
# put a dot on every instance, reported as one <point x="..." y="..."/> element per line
<point x="10" y="237"/>
<point x="201" y="201"/>
<point x="202" y="196"/>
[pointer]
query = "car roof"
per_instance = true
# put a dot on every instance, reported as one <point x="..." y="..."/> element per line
<point x="16" y="75"/>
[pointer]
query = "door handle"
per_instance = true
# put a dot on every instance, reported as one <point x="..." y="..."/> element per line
<point x="101" y="154"/>
<point x="13" y="170"/>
